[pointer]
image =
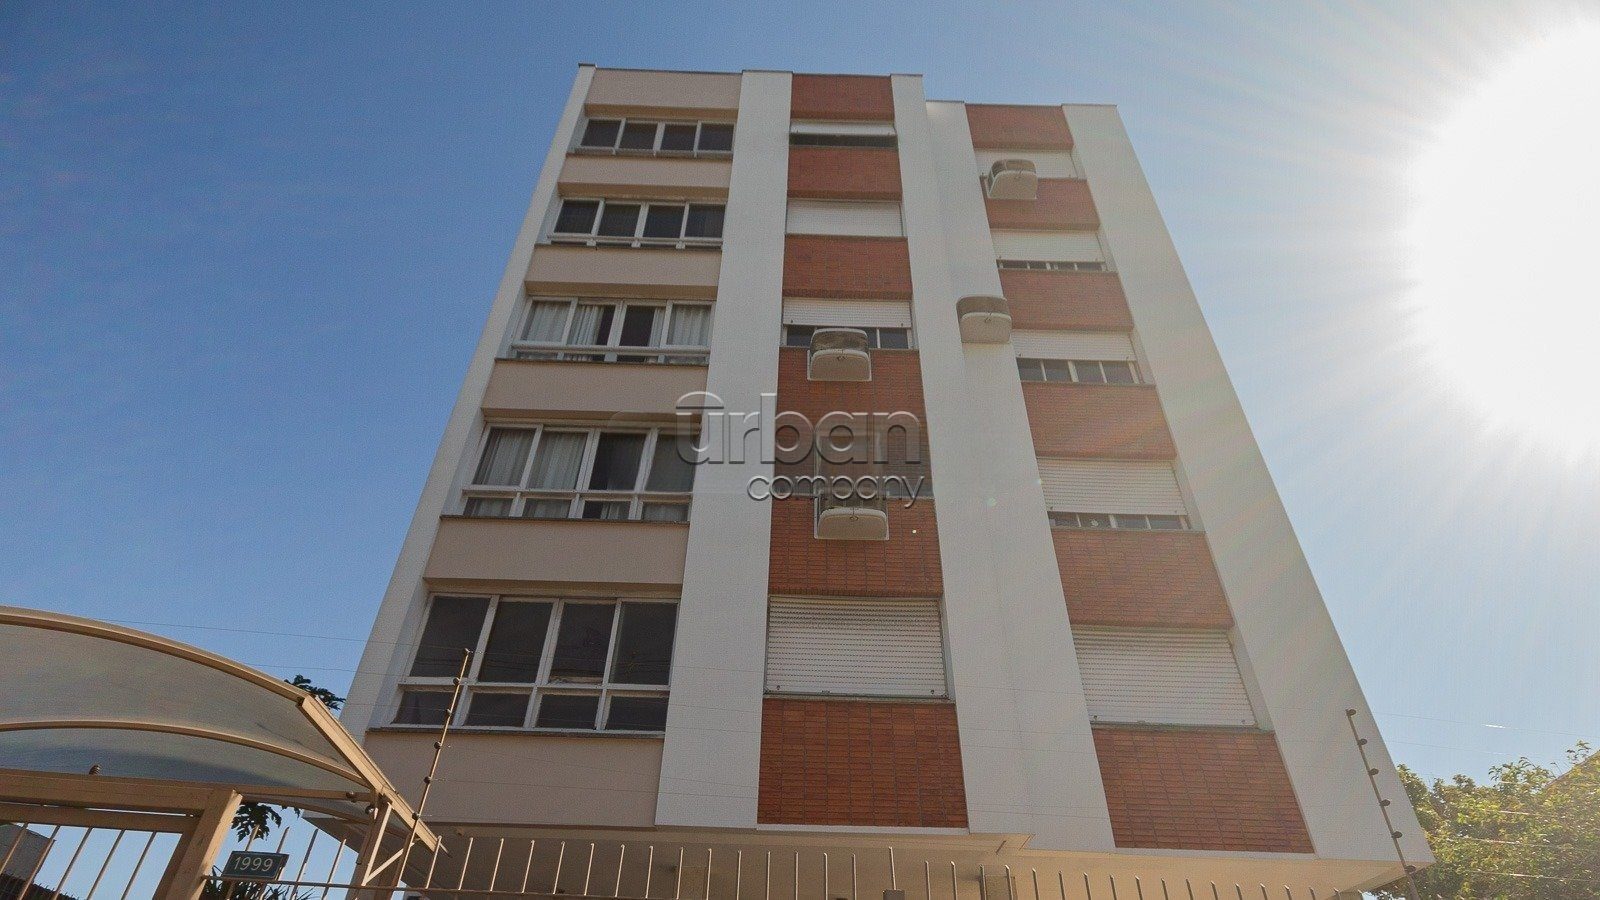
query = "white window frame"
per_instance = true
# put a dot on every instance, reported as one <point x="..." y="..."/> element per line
<point x="542" y="685"/>
<point x="1072" y="368"/>
<point x="616" y="148"/>
<point x="874" y="335"/>
<point x="593" y="238"/>
<point x="1055" y="265"/>
<point x="1116" y="521"/>
<point x="610" y="351"/>
<point x="520" y="495"/>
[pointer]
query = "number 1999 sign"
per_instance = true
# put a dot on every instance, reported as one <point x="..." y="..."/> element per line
<point x="258" y="866"/>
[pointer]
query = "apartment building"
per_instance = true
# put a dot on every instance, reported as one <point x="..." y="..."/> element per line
<point x="1066" y="628"/>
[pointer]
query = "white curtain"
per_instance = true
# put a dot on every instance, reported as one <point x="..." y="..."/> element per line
<point x="691" y="326"/>
<point x="586" y="324"/>
<point x="504" y="456"/>
<point x="555" y="468"/>
<point x="546" y="321"/>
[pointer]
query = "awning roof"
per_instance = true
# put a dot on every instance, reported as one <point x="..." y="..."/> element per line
<point x="80" y="693"/>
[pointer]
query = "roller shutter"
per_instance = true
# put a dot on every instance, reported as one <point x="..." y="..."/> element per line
<point x="1046" y="165"/>
<point x="857" y="218"/>
<point x="1101" y="345"/>
<point x="871" y="129"/>
<point x="853" y="313"/>
<point x="874" y="648"/>
<point x="1048" y="246"/>
<point x="1111" y="486"/>
<point x="1161" y="676"/>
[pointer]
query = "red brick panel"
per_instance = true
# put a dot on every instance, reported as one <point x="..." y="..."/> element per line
<point x="1121" y="421"/>
<point x="856" y="762"/>
<point x="844" y="173"/>
<point x="896" y="385"/>
<point x="1064" y="204"/>
<point x="1070" y="301"/>
<point x="997" y="126"/>
<point x="859" y="97"/>
<point x="1199" y="790"/>
<point x="1140" y="579"/>
<point x="860" y="268"/>
<point x="906" y="565"/>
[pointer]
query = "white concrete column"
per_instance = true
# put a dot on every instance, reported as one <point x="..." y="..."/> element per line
<point x="710" y="766"/>
<point x="1026" y="749"/>
<point x="399" y="617"/>
<point x="1305" y="679"/>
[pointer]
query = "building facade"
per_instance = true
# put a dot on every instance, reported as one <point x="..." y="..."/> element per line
<point x="841" y="468"/>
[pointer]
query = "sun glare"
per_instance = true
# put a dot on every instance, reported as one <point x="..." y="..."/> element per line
<point x="1506" y="244"/>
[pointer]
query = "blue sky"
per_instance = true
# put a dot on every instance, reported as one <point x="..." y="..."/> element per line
<point x="245" y="255"/>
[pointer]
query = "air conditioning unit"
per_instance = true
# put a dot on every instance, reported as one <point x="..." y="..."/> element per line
<point x="839" y="354"/>
<point x="1013" y="179"/>
<point x="984" y="319"/>
<point x="851" y="518"/>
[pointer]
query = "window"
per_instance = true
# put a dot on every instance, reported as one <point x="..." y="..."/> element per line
<point x="842" y="134"/>
<point x="1122" y="521"/>
<point x="1054" y="265"/>
<point x="554" y="472"/>
<point x="1081" y="371"/>
<point x="587" y="330"/>
<point x="636" y="136"/>
<point x="633" y="224"/>
<point x="877" y="338"/>
<point x="861" y="646"/>
<point x="573" y="664"/>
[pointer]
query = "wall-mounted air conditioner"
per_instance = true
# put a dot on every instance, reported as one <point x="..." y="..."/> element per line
<point x="839" y="354"/>
<point x="851" y="518"/>
<point x="984" y="320"/>
<point x="1013" y="179"/>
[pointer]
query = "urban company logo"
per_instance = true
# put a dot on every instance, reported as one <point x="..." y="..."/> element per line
<point x="864" y="456"/>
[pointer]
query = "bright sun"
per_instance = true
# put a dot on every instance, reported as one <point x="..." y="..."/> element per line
<point x="1506" y="237"/>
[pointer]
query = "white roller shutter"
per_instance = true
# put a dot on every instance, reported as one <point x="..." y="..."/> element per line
<point x="853" y="313"/>
<point x="873" y="129"/>
<point x="857" y="218"/>
<point x="1049" y="246"/>
<point x="1161" y="676"/>
<point x="1101" y="345"/>
<point x="888" y="648"/>
<point x="1046" y="165"/>
<point x="1111" y="486"/>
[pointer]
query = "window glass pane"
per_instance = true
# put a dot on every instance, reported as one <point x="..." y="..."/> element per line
<point x="453" y="625"/>
<point x="691" y="326"/>
<point x="577" y="216"/>
<point x="568" y="711"/>
<point x="619" y="219"/>
<point x="644" y="643"/>
<point x="601" y="133"/>
<point x="1119" y="372"/>
<point x="606" y="510"/>
<point x="1055" y="370"/>
<point x="665" y="512"/>
<point x="591" y="324"/>
<point x="1132" y="522"/>
<point x="547" y="509"/>
<point x="842" y="140"/>
<point x="582" y="641"/>
<point x="488" y="507"/>
<point x="704" y="221"/>
<point x="637" y="714"/>
<point x="1088" y="372"/>
<point x="677" y="137"/>
<point x="546" y="321"/>
<point x="1166" y="523"/>
<point x="641" y="326"/>
<point x="639" y="136"/>
<point x="422" y="707"/>
<point x="503" y="710"/>
<point x="1064" y="519"/>
<point x="894" y="338"/>
<point x="555" y="466"/>
<point x="671" y="468"/>
<point x="798" y="335"/>
<point x="1029" y="370"/>
<point x="1093" y="520"/>
<point x="516" y="642"/>
<point x="616" y="462"/>
<point x="664" y="220"/>
<point x="504" y="456"/>
<point x="716" y="136"/>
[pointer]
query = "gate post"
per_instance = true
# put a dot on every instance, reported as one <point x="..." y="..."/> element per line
<point x="197" y="850"/>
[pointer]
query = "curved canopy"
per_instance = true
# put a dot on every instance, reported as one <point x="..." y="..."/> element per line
<point x="82" y="693"/>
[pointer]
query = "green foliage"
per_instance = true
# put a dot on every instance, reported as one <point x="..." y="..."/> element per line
<point x="329" y="698"/>
<point x="258" y="818"/>
<point x="1526" y="832"/>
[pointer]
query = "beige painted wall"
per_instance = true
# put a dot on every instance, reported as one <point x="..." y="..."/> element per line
<point x="650" y="177"/>
<point x="514" y="554"/>
<point x="617" y="92"/>
<point x="589" y="390"/>
<point x="624" y="272"/>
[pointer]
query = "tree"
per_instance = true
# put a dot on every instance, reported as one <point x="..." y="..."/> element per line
<point x="1526" y="833"/>
<point x="258" y="819"/>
